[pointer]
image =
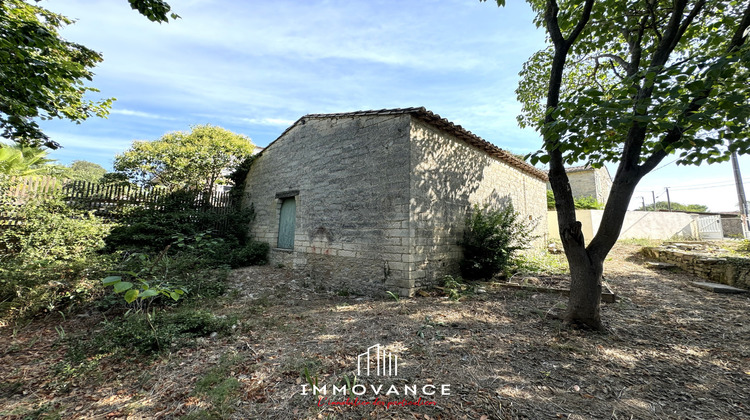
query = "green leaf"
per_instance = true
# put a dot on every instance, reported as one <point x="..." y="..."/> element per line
<point x="131" y="295"/>
<point x="149" y="293"/>
<point x="174" y="295"/>
<point x="108" y="281"/>
<point x="123" y="286"/>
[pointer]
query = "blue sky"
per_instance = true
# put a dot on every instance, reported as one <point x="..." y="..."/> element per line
<point x="256" y="67"/>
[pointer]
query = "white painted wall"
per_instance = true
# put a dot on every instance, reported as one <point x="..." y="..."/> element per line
<point x="637" y="224"/>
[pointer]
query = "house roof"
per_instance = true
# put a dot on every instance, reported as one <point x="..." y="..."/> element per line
<point x="583" y="168"/>
<point x="579" y="168"/>
<point x="443" y="124"/>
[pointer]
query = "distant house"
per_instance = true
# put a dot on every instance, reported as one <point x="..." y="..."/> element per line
<point x="375" y="201"/>
<point x="586" y="181"/>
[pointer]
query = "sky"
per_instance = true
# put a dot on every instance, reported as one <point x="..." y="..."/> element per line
<point x="256" y="67"/>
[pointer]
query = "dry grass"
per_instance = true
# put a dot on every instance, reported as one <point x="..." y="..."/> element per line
<point x="671" y="351"/>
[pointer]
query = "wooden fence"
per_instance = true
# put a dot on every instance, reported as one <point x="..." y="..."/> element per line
<point x="108" y="201"/>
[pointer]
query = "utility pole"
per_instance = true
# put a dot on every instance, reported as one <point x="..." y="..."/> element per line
<point x="669" y="202"/>
<point x="643" y="201"/>
<point x="740" y="190"/>
<point x="653" y="196"/>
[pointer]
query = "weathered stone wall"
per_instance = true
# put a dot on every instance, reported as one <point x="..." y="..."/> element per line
<point x="732" y="227"/>
<point x="582" y="184"/>
<point x="350" y="176"/>
<point x="731" y="271"/>
<point x="594" y="183"/>
<point x="603" y="183"/>
<point x="448" y="177"/>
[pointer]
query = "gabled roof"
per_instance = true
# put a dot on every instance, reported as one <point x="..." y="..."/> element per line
<point x="579" y="168"/>
<point x="443" y="124"/>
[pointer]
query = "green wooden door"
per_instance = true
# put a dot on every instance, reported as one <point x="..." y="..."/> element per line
<point x="286" y="223"/>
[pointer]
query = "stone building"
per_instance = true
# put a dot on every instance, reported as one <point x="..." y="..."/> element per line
<point x="376" y="201"/>
<point x="586" y="181"/>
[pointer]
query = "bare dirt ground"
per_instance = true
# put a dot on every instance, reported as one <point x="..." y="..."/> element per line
<point x="671" y="351"/>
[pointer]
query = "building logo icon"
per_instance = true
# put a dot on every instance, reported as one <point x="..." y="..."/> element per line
<point x="384" y="364"/>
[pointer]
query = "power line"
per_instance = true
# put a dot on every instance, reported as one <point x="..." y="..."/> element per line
<point x="666" y="164"/>
<point x="705" y="187"/>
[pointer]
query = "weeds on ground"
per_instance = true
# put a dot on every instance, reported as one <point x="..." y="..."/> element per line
<point x="539" y="261"/>
<point x="643" y="242"/>
<point x="455" y="288"/>
<point x="219" y="389"/>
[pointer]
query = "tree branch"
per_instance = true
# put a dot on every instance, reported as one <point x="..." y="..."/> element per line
<point x="582" y="22"/>
<point x="686" y="23"/>
<point x="675" y="134"/>
<point x="617" y="59"/>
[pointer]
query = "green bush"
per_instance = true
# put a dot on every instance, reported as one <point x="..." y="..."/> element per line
<point x="253" y="253"/>
<point x="151" y="229"/>
<point x="49" y="259"/>
<point x="588" y="203"/>
<point x="550" y="200"/>
<point x="581" y="203"/>
<point x="490" y="239"/>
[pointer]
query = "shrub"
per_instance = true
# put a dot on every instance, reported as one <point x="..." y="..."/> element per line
<point x="215" y="238"/>
<point x="253" y="253"/>
<point x="588" y="203"/>
<point x="48" y="259"/>
<point x="490" y="239"/>
<point x="550" y="200"/>
<point x="581" y="203"/>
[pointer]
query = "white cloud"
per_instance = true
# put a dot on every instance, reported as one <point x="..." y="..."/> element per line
<point x="140" y="114"/>
<point x="275" y="122"/>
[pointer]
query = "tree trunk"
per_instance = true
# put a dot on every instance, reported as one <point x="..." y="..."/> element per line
<point x="585" y="293"/>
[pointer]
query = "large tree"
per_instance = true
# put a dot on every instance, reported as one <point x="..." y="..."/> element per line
<point x="195" y="159"/>
<point x="82" y="170"/>
<point x="42" y="75"/>
<point x="631" y="81"/>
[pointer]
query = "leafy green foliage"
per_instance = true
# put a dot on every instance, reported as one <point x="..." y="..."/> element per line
<point x="50" y="260"/>
<point x="491" y="238"/>
<point x="81" y="170"/>
<point x="663" y="205"/>
<point x="17" y="160"/>
<point x="587" y="203"/>
<point x="154" y="10"/>
<point x="690" y="97"/>
<point x="174" y="221"/>
<point x="157" y="331"/>
<point x="238" y="177"/>
<point x="454" y="288"/>
<point x="141" y="289"/>
<point x="550" y="200"/>
<point x="582" y="203"/>
<point x="632" y="82"/>
<point x="44" y="76"/>
<point x="184" y="160"/>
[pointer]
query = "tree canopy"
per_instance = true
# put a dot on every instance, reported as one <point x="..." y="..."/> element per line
<point x="195" y="159"/>
<point x="631" y="82"/>
<point x="43" y="76"/>
<point x="674" y="206"/>
<point x="82" y="170"/>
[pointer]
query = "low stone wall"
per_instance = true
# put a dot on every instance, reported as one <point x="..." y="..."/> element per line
<point x="726" y="270"/>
